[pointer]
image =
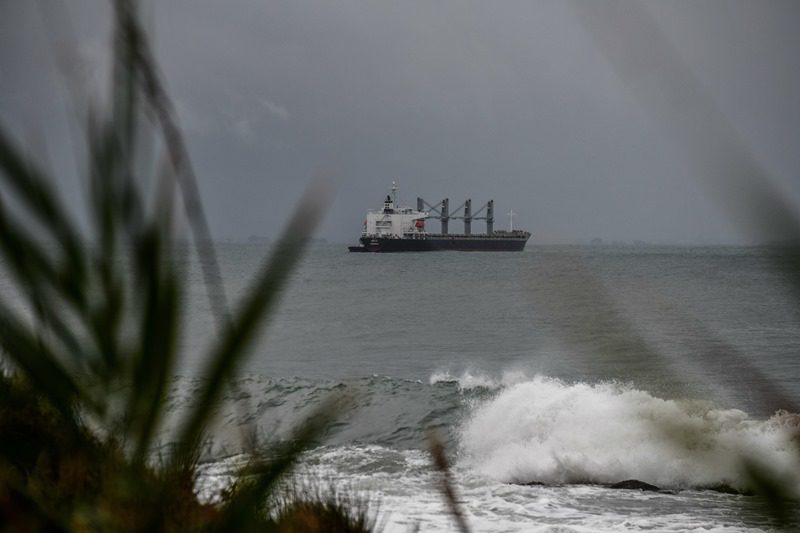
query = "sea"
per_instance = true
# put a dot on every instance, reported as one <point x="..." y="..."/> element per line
<point x="549" y="375"/>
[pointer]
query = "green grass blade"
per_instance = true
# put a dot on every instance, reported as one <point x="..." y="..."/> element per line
<point x="259" y="479"/>
<point x="25" y="257"/>
<point x="160" y="320"/>
<point x="126" y="72"/>
<point x="37" y="361"/>
<point x="777" y="495"/>
<point x="260" y="301"/>
<point x="157" y="98"/>
<point x="34" y="190"/>
<point x="31" y="265"/>
<point x="39" y="280"/>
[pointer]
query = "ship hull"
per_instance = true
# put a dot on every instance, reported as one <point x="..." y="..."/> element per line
<point x="440" y="242"/>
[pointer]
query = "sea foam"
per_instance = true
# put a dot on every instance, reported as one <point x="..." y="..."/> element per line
<point x="471" y="379"/>
<point x="544" y="430"/>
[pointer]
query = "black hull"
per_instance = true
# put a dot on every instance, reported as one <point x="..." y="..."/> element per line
<point x="436" y="243"/>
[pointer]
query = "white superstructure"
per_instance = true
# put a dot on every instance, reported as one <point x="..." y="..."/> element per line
<point x="394" y="221"/>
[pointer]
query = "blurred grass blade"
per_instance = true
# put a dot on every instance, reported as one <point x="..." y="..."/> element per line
<point x="126" y="71"/>
<point x="679" y="105"/>
<point x="156" y="355"/>
<point x="104" y="319"/>
<point x="588" y="318"/>
<point x="257" y="305"/>
<point x="447" y="486"/>
<point x="39" y="279"/>
<point x="27" y="260"/>
<point x="33" y="189"/>
<point x="668" y="90"/>
<point x="35" y="359"/>
<point x="724" y="361"/>
<point x="776" y="496"/>
<point x="261" y="477"/>
<point x="161" y="105"/>
<point x="124" y="287"/>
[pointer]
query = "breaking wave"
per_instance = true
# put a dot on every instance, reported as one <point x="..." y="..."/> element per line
<point x="514" y="428"/>
<point x="547" y="431"/>
<point x="470" y="379"/>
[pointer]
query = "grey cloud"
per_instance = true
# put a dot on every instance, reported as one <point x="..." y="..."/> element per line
<point x="276" y="110"/>
<point x="504" y="100"/>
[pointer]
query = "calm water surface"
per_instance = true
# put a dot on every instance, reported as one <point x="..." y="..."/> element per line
<point x="661" y="317"/>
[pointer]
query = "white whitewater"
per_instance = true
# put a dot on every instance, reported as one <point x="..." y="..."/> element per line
<point x="544" y="430"/>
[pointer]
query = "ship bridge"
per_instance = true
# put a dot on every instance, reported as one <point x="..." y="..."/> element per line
<point x="394" y="221"/>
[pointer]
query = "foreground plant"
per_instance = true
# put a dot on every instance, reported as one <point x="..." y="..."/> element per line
<point x="89" y="354"/>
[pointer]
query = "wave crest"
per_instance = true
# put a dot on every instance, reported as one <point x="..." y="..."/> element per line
<point x="470" y="380"/>
<point x="544" y="430"/>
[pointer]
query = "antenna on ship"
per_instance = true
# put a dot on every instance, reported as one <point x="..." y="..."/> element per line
<point x="511" y="220"/>
<point x="394" y="193"/>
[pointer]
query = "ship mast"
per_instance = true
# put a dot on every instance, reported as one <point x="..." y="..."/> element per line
<point x="394" y="193"/>
<point x="511" y="220"/>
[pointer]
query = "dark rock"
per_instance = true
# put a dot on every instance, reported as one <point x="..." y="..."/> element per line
<point x="634" y="484"/>
<point x="724" y="488"/>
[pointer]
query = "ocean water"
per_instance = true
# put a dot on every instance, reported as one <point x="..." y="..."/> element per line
<point x="548" y="374"/>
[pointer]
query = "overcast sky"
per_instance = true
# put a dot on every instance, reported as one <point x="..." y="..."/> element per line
<point x="506" y="100"/>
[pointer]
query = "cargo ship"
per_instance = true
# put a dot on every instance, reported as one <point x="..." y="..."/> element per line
<point x="403" y="229"/>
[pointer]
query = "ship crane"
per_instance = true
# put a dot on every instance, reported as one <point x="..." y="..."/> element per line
<point x="443" y="213"/>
